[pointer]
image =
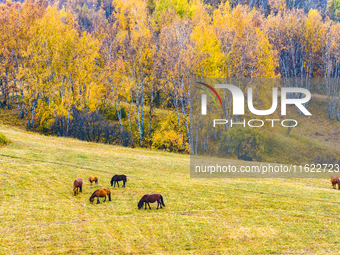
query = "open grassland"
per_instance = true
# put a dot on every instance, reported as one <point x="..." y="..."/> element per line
<point x="40" y="215"/>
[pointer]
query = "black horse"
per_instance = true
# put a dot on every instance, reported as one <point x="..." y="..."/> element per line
<point x="116" y="178"/>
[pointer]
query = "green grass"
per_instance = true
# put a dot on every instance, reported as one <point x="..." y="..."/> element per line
<point x="40" y="215"/>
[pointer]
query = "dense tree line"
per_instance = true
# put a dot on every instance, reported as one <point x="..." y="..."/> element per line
<point x="66" y="66"/>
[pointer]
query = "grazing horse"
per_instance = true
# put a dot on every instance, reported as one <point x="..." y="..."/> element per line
<point x="334" y="181"/>
<point x="93" y="179"/>
<point x="100" y="193"/>
<point x="151" y="199"/>
<point x="78" y="183"/>
<point x="116" y="178"/>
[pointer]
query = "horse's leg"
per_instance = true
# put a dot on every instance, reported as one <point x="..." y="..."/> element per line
<point x="149" y="205"/>
<point x="145" y="206"/>
<point x="124" y="184"/>
<point x="104" y="199"/>
<point x="157" y="204"/>
<point x="160" y="204"/>
<point x="81" y="188"/>
<point x="98" y="200"/>
<point x="118" y="184"/>
<point x="114" y="184"/>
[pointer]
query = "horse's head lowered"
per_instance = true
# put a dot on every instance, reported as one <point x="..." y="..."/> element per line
<point x="140" y="204"/>
<point x="92" y="197"/>
<point x="112" y="179"/>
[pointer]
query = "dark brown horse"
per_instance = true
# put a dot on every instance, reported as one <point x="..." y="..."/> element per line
<point x="116" y="178"/>
<point x="151" y="199"/>
<point x="93" y="179"/>
<point x="100" y="193"/>
<point x="77" y="184"/>
<point x="334" y="181"/>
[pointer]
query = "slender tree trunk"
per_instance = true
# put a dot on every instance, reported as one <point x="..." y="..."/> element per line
<point x="68" y="120"/>
<point x="21" y="115"/>
<point x="55" y="118"/>
<point x="34" y="106"/>
<point x="338" y="110"/>
<point x="138" y="119"/>
<point x="178" y="116"/>
<point x="130" y="131"/>
<point x="151" y="109"/>
<point x="142" y="110"/>
<point x="25" y="109"/>
<point x="119" y="114"/>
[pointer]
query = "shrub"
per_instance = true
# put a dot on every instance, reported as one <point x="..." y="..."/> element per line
<point x="4" y="140"/>
<point x="168" y="141"/>
<point x="326" y="159"/>
<point x="166" y="137"/>
<point x="242" y="142"/>
<point x="111" y="113"/>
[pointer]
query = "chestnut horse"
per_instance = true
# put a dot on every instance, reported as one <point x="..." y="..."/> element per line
<point x="334" y="181"/>
<point x="100" y="193"/>
<point x="93" y="179"/>
<point x="78" y="183"/>
<point x="151" y="199"/>
<point x="116" y="178"/>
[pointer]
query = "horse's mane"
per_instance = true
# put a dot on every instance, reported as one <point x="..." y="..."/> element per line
<point x="94" y="193"/>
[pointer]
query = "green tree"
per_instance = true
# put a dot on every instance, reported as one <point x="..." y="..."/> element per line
<point x="242" y="142"/>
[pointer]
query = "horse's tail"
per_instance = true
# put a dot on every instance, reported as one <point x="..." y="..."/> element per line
<point x="162" y="200"/>
<point x="109" y="194"/>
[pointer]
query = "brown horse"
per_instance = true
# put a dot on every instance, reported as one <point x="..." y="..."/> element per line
<point x="334" y="181"/>
<point x="78" y="183"/>
<point x="151" y="199"/>
<point x="100" y="193"/>
<point x="93" y="179"/>
<point x="116" y="178"/>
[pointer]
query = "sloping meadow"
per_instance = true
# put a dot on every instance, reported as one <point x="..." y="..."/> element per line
<point x="39" y="213"/>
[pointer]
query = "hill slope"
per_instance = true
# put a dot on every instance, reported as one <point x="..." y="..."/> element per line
<point x="39" y="213"/>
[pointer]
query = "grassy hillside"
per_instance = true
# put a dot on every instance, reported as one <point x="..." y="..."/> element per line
<point x="39" y="213"/>
<point x="316" y="139"/>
